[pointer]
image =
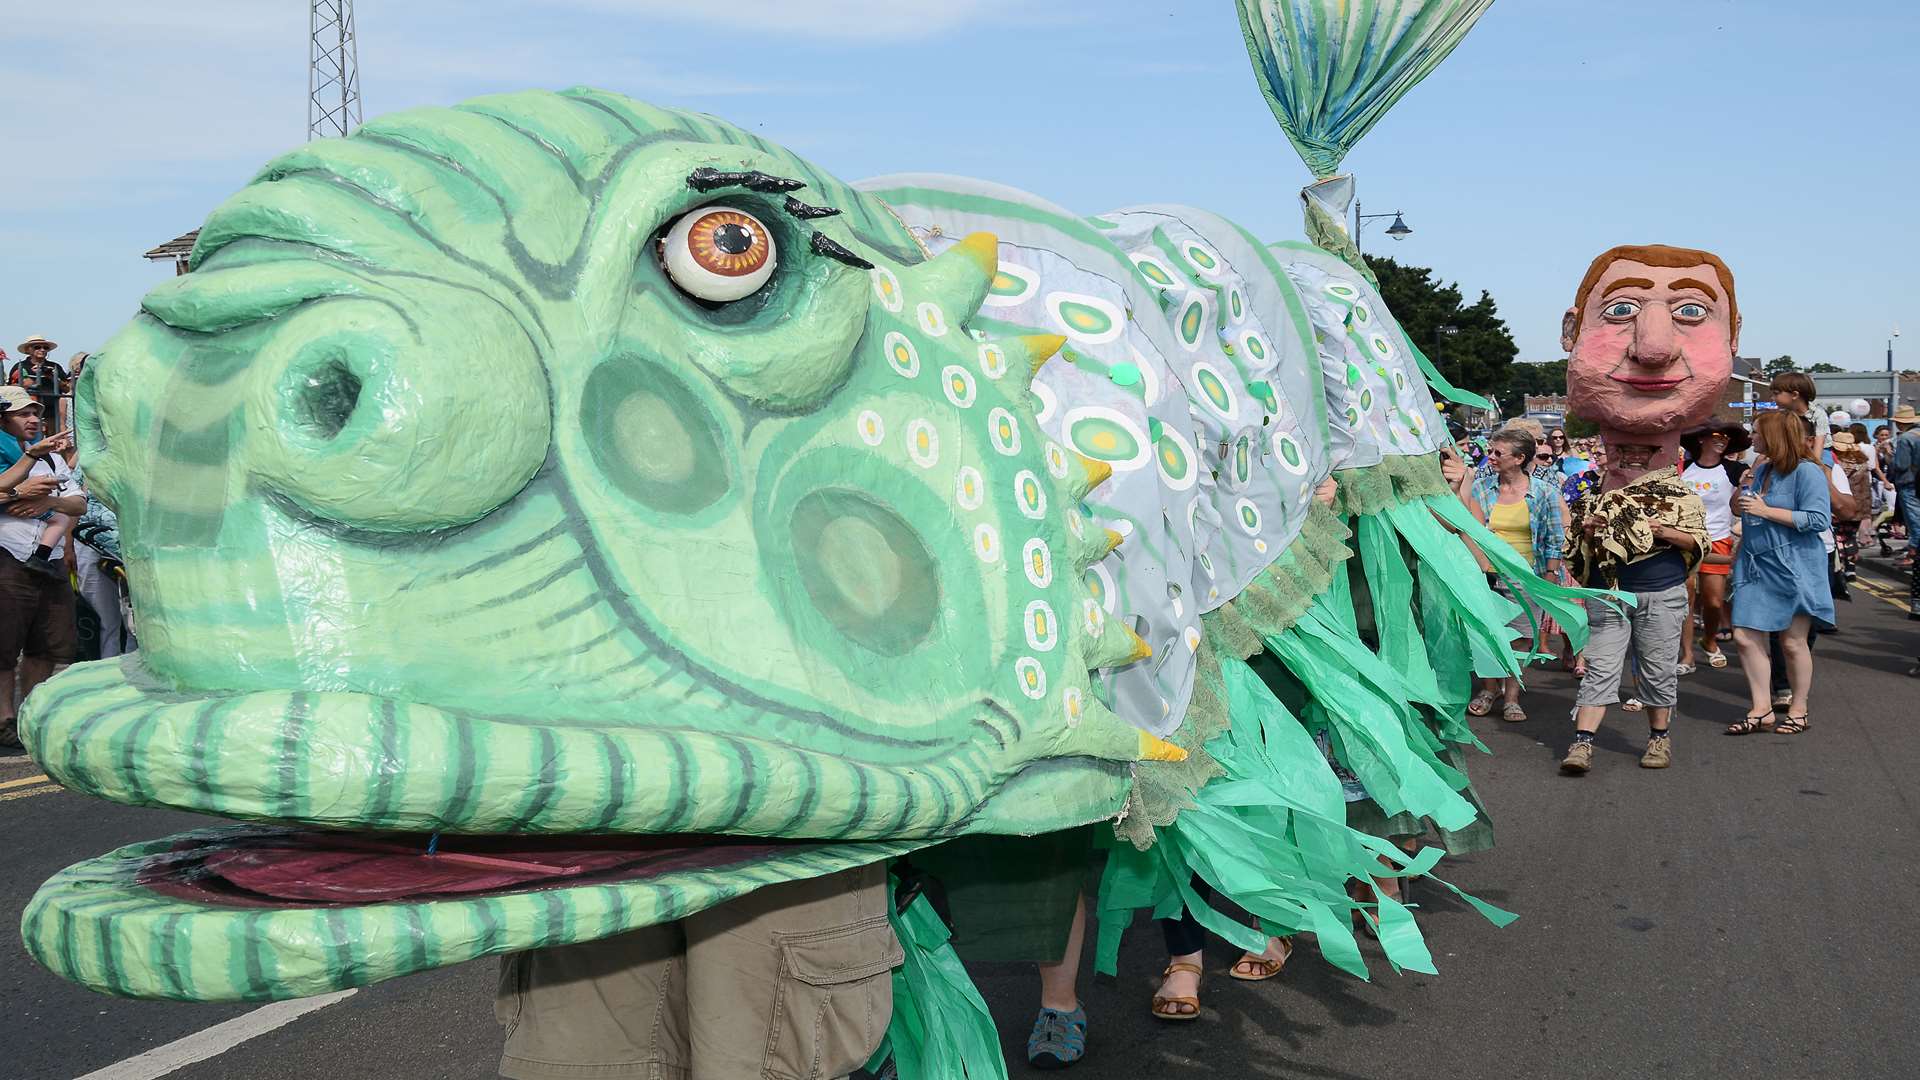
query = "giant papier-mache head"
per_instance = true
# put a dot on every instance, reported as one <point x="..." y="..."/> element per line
<point x="555" y="463"/>
<point x="1650" y="340"/>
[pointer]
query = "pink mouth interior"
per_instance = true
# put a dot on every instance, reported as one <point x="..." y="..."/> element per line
<point x="281" y="868"/>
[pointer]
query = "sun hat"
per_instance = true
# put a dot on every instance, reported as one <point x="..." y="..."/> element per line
<point x="1738" y="440"/>
<point x="1843" y="440"/>
<point x="40" y="339"/>
<point x="1905" y="415"/>
<point x="16" y="399"/>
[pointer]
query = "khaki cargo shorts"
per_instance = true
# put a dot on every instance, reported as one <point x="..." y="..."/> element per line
<point x="792" y="982"/>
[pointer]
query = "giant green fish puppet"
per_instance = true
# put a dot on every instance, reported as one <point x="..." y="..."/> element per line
<point x="555" y="514"/>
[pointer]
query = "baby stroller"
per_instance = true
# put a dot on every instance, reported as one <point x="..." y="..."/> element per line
<point x="103" y="605"/>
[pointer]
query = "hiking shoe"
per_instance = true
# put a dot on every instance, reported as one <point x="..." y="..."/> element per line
<point x="1058" y="1040"/>
<point x="1659" y="753"/>
<point x="1579" y="758"/>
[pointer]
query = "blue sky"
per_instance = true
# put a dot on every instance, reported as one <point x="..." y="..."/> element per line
<point x="1780" y="135"/>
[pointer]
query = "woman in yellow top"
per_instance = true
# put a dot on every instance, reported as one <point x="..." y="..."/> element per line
<point x="1525" y="510"/>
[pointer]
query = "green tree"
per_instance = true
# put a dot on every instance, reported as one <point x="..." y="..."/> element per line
<point x="1476" y="353"/>
<point x="1824" y="368"/>
<point x="1546" y="378"/>
<point x="1779" y="365"/>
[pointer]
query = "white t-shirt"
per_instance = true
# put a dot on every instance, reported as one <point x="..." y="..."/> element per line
<point x="1715" y="489"/>
<point x="19" y="536"/>
<point x="1840" y="485"/>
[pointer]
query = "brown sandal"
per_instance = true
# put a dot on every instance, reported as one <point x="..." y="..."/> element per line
<point x="1163" y="1006"/>
<point x="1258" y="967"/>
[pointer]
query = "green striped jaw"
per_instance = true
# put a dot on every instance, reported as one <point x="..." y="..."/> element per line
<point x="447" y="508"/>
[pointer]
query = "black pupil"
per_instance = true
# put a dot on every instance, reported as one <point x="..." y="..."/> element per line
<point x="733" y="238"/>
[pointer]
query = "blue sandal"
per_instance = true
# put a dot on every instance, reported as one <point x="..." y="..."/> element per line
<point x="1059" y="1038"/>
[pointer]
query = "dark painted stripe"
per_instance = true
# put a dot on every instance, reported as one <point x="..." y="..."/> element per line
<point x="489" y="912"/>
<point x="571" y="566"/>
<point x="809" y="795"/>
<point x="503" y="557"/>
<point x="556" y="919"/>
<point x="341" y="962"/>
<point x="290" y="754"/>
<point x="69" y="963"/>
<point x="616" y="915"/>
<point x="680" y="788"/>
<point x="108" y="935"/>
<point x="80" y="776"/>
<point x="416" y="928"/>
<point x="616" y="759"/>
<point x="166" y="950"/>
<point x="578" y="607"/>
<point x="604" y="636"/>
<point x="862" y="795"/>
<point x="251" y="945"/>
<point x="133" y="749"/>
<point x="200" y="735"/>
<point x="560" y="157"/>
<point x="546" y="769"/>
<point x="390" y="763"/>
<point x="749" y="783"/>
<point x="908" y="803"/>
<point x="465" y="789"/>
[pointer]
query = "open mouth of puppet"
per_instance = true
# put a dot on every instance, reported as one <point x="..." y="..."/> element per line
<point x="283" y="867"/>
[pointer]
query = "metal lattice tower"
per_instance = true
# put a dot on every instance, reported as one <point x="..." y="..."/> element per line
<point x="333" y="70"/>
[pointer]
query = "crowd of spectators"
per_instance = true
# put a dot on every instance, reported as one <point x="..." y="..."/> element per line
<point x="1748" y="540"/>
<point x="60" y="592"/>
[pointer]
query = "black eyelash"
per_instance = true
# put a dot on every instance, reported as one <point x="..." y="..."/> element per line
<point x="707" y="179"/>
<point x="795" y="208"/>
<point x="824" y="245"/>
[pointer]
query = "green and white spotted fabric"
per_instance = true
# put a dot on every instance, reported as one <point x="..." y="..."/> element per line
<point x="1377" y="399"/>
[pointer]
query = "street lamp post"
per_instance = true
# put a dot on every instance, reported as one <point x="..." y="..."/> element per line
<point x="1398" y="230"/>
<point x="1893" y="380"/>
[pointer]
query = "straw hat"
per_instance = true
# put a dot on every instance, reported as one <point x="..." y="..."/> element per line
<point x="1843" y="440"/>
<point x="39" y="339"/>
<point x="1905" y="415"/>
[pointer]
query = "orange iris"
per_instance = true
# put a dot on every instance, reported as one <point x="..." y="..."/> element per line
<point x="728" y="243"/>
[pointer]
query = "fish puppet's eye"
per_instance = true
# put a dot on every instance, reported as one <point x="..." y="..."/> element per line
<point x="718" y="254"/>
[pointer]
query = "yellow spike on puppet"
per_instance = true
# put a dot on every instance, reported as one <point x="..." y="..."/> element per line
<point x="1154" y="749"/>
<point x="1117" y="646"/>
<point x="959" y="277"/>
<point x="1114" y="540"/>
<point x="1103" y="735"/>
<point x="1094" y="473"/>
<point x="1027" y="354"/>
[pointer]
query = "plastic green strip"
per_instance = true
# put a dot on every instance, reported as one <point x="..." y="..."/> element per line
<point x="1565" y="603"/>
<point x="1270" y="836"/>
<point x="941" y="1029"/>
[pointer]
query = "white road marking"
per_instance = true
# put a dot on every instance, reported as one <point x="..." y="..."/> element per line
<point x="213" y="1041"/>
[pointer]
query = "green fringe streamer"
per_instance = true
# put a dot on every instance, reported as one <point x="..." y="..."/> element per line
<point x="941" y="1029"/>
<point x="1162" y="790"/>
<point x="1566" y="603"/>
<point x="1271" y="836"/>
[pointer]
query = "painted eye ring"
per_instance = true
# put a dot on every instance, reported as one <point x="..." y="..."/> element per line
<point x="1614" y="310"/>
<point x="718" y="253"/>
<point x="1691" y="310"/>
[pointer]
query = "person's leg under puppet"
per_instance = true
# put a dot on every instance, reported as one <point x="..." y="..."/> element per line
<point x="1609" y="635"/>
<point x="793" y="980"/>
<point x="1661" y="621"/>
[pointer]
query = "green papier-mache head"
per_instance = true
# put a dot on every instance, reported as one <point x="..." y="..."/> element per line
<point x="459" y="493"/>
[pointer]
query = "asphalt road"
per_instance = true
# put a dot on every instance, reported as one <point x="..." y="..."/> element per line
<point x="1749" y="912"/>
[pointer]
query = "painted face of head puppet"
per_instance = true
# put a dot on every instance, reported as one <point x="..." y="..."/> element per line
<point x="1650" y="340"/>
